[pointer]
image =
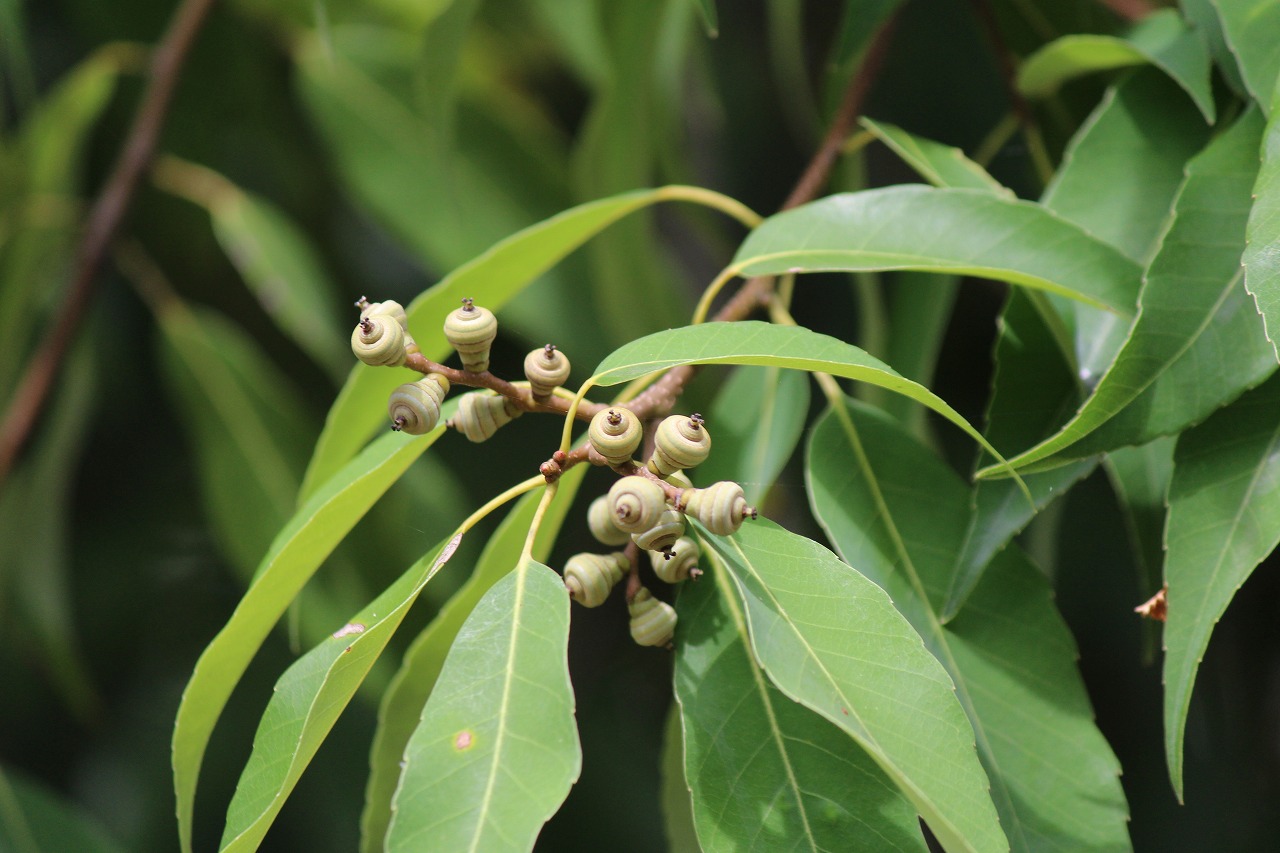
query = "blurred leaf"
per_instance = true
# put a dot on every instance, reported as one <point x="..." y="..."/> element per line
<point x="243" y="417"/>
<point x="1197" y="342"/>
<point x="309" y="537"/>
<point x="401" y="708"/>
<point x="767" y="345"/>
<point x="768" y="773"/>
<point x="15" y="58"/>
<point x="578" y="32"/>
<point x="901" y="513"/>
<point x="861" y="20"/>
<point x="1033" y="392"/>
<point x="942" y="230"/>
<point x="36" y="536"/>
<point x="758" y="418"/>
<point x="1140" y="478"/>
<point x="310" y="696"/>
<point x="1250" y="28"/>
<point x="1161" y="38"/>
<point x="1262" y="235"/>
<point x="1203" y="16"/>
<point x="36" y="820"/>
<point x="940" y="165"/>
<point x="789" y="62"/>
<point x="919" y="312"/>
<point x="708" y="10"/>
<point x="831" y="639"/>
<point x="492" y="279"/>
<point x="497" y="749"/>
<point x="1224" y="502"/>
<point x="677" y="806"/>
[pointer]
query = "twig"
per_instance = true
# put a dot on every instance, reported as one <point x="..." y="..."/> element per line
<point x="1130" y="10"/>
<point x="100" y="229"/>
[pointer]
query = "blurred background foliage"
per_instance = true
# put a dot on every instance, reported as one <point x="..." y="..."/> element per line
<point x="318" y="150"/>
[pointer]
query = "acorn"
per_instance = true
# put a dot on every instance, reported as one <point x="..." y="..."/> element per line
<point x="471" y="330"/>
<point x="653" y="622"/>
<point x="590" y="577"/>
<point x="615" y="433"/>
<point x="680" y="442"/>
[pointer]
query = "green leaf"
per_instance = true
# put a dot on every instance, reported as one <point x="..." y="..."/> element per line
<point x="708" y="10"/>
<point x="1197" y="343"/>
<point x="940" y="165"/>
<point x="860" y="21"/>
<point x="1250" y="28"/>
<point x="832" y="641"/>
<point x="942" y="230"/>
<point x="309" y="698"/>
<point x="1224" y="502"/>
<point x="299" y="549"/>
<point x="1203" y="17"/>
<point x="897" y="511"/>
<point x="497" y="750"/>
<point x="919" y="311"/>
<point x="677" y="806"/>
<point x="754" y="342"/>
<point x="1140" y="478"/>
<point x="492" y="279"/>
<point x="36" y="820"/>
<point x="1262" y="234"/>
<point x="758" y="418"/>
<point x="766" y="772"/>
<point x="1162" y="39"/>
<point x="401" y="706"/>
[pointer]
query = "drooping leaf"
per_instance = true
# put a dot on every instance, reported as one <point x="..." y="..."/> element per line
<point x="971" y="232"/>
<point x="492" y="279"/>
<point x="767" y="772"/>
<point x="757" y="418"/>
<point x="677" y="805"/>
<point x="1197" y="342"/>
<point x="940" y="165"/>
<point x="309" y="698"/>
<point x="831" y="640"/>
<point x="919" y="310"/>
<point x="308" y="538"/>
<point x="767" y="345"/>
<point x="497" y="749"/>
<point x="707" y="8"/>
<point x="1203" y="17"/>
<point x="1249" y="27"/>
<point x="402" y="703"/>
<point x="1224" y="502"/>
<point x="35" y="820"/>
<point x="1161" y="38"/>
<point x="858" y="25"/>
<point x="1140" y="478"/>
<point x="1262" y="234"/>
<point x="900" y="512"/>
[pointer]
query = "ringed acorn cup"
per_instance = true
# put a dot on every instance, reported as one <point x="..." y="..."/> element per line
<point x="663" y="534"/>
<point x="653" y="622"/>
<point x="545" y="369"/>
<point x="471" y="330"/>
<point x="680" y="565"/>
<point x="680" y="442"/>
<point x="379" y="340"/>
<point x="590" y="577"/>
<point x="720" y="507"/>
<point x="389" y="307"/>
<point x="600" y="521"/>
<point x="480" y="415"/>
<point x="415" y="406"/>
<point x="636" y="503"/>
<point x="615" y="433"/>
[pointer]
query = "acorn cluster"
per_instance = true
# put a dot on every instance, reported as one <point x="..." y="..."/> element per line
<point x="646" y="509"/>
<point x="638" y="510"/>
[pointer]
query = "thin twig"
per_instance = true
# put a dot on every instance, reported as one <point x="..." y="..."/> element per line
<point x="100" y="229"/>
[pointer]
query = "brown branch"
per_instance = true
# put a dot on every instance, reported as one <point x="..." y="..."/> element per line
<point x="521" y="397"/>
<point x="1130" y="10"/>
<point x="1004" y="61"/>
<point x="100" y="229"/>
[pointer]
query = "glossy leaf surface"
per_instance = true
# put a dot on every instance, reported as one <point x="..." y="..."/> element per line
<point x="901" y="513"/>
<point x="1250" y="28"/>
<point x="1224" y="518"/>
<point x="831" y="639"/>
<point x="971" y="232"/>
<point x="941" y="165"/>
<point x="497" y="749"/>
<point x="1262" y="235"/>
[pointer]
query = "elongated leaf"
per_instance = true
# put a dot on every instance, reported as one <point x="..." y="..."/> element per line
<point x="832" y="641"/>
<point x="1140" y="478"/>
<point x="707" y="8"/>
<point x="1162" y="39"/>
<point x="35" y="820"/>
<point x="860" y="21"/>
<point x="758" y="419"/>
<point x="1250" y="27"/>
<point x="1197" y="342"/>
<point x="402" y="703"/>
<point x="677" y="805"/>
<point x="1262" y="235"/>
<point x="766" y="772"/>
<point x="754" y="342"/>
<point x="497" y="749"/>
<point x="940" y="165"/>
<point x="309" y="537"/>
<point x="970" y="232"/>
<point x="919" y="310"/>
<point x="1224" y="502"/>
<point x="900" y="512"/>
<point x="1203" y="17"/>
<point x="492" y="279"/>
<point x="309" y="698"/>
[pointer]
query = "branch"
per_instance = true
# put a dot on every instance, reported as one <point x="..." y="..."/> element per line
<point x="100" y="229"/>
